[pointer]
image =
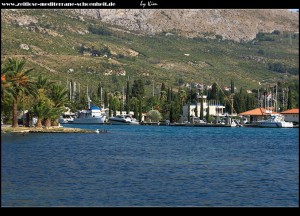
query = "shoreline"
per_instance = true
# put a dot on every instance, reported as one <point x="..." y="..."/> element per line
<point x="52" y="129"/>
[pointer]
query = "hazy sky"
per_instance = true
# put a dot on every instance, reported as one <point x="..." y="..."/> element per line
<point x="293" y="10"/>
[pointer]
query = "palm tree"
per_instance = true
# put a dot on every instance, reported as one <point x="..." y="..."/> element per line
<point x="182" y="97"/>
<point x="6" y="96"/>
<point x="48" y="113"/>
<point x="17" y="81"/>
<point x="59" y="98"/>
<point x="163" y="96"/>
<point x="41" y="108"/>
<point x="5" y="85"/>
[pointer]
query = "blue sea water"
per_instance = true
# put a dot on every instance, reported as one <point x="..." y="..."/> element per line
<point x="152" y="166"/>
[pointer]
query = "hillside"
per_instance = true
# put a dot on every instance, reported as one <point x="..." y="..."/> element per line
<point x="69" y="44"/>
<point x="235" y="24"/>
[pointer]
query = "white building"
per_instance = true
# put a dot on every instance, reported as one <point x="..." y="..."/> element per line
<point x="215" y="108"/>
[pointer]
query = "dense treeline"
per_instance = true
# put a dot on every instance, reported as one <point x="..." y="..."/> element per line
<point x="281" y="68"/>
<point x="47" y="100"/>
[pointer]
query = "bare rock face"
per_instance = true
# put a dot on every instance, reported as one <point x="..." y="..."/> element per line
<point x="233" y="24"/>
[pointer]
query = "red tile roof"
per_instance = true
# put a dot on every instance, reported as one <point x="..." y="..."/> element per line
<point x="291" y="111"/>
<point x="258" y="112"/>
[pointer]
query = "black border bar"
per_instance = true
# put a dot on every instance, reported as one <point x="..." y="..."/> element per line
<point x="152" y="4"/>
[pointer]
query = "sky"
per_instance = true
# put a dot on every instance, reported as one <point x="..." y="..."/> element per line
<point x="294" y="10"/>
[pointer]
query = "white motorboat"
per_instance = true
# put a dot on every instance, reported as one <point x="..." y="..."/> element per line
<point x="65" y="119"/>
<point x="123" y="119"/>
<point x="275" y="121"/>
<point x="93" y="115"/>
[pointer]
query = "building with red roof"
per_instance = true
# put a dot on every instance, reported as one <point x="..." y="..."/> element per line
<point x="257" y="114"/>
<point x="291" y="115"/>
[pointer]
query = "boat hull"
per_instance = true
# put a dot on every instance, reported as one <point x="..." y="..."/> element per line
<point x="116" y="122"/>
<point x="275" y="124"/>
<point x="89" y="120"/>
<point x="123" y="120"/>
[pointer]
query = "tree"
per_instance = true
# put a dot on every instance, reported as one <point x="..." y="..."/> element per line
<point x="49" y="112"/>
<point x="163" y="87"/>
<point x="189" y="111"/>
<point x="81" y="49"/>
<point x="134" y="106"/>
<point x="121" y="105"/>
<point x="140" y="109"/>
<point x="58" y="95"/>
<point x="289" y="101"/>
<point x="207" y="114"/>
<point x="138" y="90"/>
<point x="171" y="114"/>
<point x="163" y="96"/>
<point x="105" y="99"/>
<point x="169" y="93"/>
<point x="6" y="93"/>
<point x="42" y="87"/>
<point x="17" y="82"/>
<point x="196" y="110"/>
<point x="127" y="98"/>
<point x="214" y="92"/>
<point x="201" y="108"/>
<point x="115" y="103"/>
<point x="39" y="110"/>
<point x="110" y="105"/>
<point x="239" y="102"/>
<point x="232" y="87"/>
<point x="154" y="115"/>
<point x="182" y="97"/>
<point x="5" y="84"/>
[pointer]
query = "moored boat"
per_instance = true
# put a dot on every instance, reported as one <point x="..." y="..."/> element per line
<point x="93" y="115"/>
<point x="123" y="119"/>
<point x="275" y="121"/>
<point x="66" y="119"/>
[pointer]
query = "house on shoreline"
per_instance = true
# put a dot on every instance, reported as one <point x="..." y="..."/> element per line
<point x="291" y="115"/>
<point x="257" y="114"/>
<point x="214" y="106"/>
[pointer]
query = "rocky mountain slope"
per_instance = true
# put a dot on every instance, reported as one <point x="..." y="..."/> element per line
<point x="232" y="24"/>
<point x="173" y="46"/>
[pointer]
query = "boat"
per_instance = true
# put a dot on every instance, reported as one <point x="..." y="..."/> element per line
<point x="92" y="115"/>
<point x="275" y="121"/>
<point x="65" y="119"/>
<point x="123" y="119"/>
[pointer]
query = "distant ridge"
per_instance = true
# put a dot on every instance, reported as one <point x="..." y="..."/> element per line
<point x="232" y="24"/>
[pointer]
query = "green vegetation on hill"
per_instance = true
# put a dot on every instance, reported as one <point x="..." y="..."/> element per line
<point x="64" y="46"/>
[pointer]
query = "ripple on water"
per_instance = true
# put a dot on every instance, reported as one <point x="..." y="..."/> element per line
<point x="152" y="166"/>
